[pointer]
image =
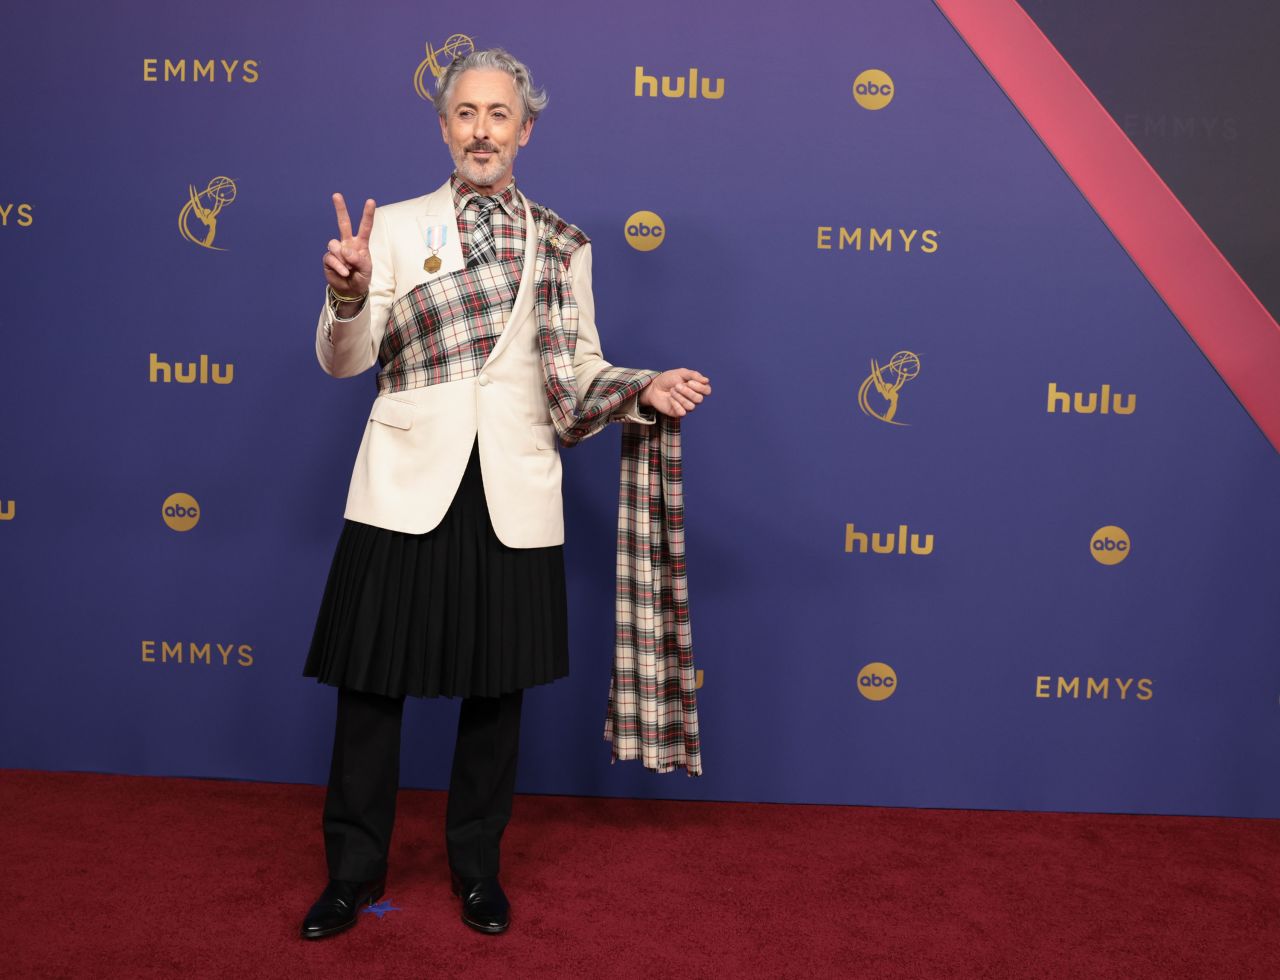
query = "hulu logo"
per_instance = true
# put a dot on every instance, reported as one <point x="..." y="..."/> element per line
<point x="676" y="88"/>
<point x="893" y="543"/>
<point x="191" y="372"/>
<point x="1087" y="403"/>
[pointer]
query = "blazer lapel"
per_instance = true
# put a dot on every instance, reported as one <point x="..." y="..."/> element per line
<point x="523" y="305"/>
<point x="435" y="220"/>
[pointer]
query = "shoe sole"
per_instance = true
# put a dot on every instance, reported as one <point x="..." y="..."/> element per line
<point x="324" y="934"/>
<point x="486" y="929"/>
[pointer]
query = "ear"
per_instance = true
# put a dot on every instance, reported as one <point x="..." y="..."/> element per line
<point x="526" y="129"/>
<point x="444" y="129"/>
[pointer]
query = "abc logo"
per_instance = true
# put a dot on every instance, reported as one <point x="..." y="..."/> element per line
<point x="877" y="681"/>
<point x="873" y="89"/>
<point x="1109" y="545"/>
<point x="645" y="231"/>
<point x="181" y="512"/>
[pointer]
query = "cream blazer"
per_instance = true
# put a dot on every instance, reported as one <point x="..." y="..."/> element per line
<point x="417" y="442"/>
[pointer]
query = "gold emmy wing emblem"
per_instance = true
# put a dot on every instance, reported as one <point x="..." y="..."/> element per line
<point x="458" y="46"/>
<point x="888" y="381"/>
<point x="204" y="207"/>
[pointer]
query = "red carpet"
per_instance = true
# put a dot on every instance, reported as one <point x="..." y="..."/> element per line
<point x="129" y="877"/>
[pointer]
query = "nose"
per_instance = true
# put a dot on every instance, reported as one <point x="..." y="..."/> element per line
<point x="481" y="129"/>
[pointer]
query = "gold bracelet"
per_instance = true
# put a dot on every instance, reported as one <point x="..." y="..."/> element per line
<point x="347" y="299"/>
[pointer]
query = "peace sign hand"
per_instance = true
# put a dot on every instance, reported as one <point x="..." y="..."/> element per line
<point x="347" y="265"/>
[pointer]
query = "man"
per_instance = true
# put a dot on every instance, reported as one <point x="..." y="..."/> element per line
<point x="448" y="577"/>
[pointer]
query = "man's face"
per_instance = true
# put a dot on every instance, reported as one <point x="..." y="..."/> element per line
<point x="483" y="128"/>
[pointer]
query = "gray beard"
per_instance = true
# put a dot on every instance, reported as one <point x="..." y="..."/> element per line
<point x="478" y="175"/>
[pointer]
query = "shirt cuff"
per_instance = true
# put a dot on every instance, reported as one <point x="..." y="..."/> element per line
<point x="632" y="411"/>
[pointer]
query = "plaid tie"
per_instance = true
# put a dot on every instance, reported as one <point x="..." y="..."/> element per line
<point x="483" y="247"/>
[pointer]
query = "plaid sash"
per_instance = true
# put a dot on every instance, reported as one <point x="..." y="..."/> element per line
<point x="443" y="330"/>
<point x="653" y="709"/>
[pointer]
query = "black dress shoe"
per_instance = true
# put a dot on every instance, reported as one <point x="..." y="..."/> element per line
<point x="338" y="905"/>
<point x="484" y="906"/>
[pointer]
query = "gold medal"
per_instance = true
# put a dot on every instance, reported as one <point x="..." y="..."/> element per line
<point x="435" y="237"/>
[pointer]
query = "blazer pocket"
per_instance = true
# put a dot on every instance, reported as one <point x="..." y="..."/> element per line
<point x="544" y="436"/>
<point x="388" y="411"/>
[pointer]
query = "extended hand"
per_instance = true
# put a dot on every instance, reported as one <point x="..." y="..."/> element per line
<point x="347" y="265"/>
<point x="676" y="392"/>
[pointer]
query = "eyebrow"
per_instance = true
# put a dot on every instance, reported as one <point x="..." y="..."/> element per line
<point x="492" y="105"/>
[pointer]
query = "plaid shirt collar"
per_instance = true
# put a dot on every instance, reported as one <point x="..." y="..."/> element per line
<point x="464" y="196"/>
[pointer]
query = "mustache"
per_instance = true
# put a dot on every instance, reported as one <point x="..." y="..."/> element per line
<point x="481" y="146"/>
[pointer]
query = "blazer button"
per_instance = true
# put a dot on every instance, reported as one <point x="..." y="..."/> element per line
<point x="484" y="379"/>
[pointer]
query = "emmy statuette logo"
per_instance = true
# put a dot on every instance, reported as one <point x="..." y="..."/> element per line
<point x="877" y="681"/>
<point x="887" y="382"/>
<point x="209" y="654"/>
<point x="180" y="511"/>
<point x="22" y="215"/>
<point x="204" y="206"/>
<point x="1110" y="545"/>
<point x="873" y="89"/>
<point x="648" y="85"/>
<point x="645" y="231"/>
<point x="438" y="60"/>
<point x="8" y="508"/>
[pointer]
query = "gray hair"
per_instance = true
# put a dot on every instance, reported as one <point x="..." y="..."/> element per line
<point x="492" y="59"/>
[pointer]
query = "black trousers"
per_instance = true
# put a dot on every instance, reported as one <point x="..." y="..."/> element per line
<point x="360" y="806"/>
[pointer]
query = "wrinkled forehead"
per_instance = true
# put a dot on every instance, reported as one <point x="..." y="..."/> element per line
<point x="485" y="87"/>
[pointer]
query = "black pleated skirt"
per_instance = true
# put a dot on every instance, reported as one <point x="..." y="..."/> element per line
<point x="452" y="612"/>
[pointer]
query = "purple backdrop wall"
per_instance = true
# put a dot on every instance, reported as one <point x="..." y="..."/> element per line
<point x="1000" y="637"/>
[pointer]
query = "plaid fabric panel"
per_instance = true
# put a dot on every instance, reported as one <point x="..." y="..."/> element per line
<point x="556" y="314"/>
<point x="653" y="708"/>
<point x="445" y="329"/>
<point x="653" y="712"/>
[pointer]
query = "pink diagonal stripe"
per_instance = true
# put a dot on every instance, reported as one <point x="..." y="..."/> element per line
<point x="1213" y="304"/>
